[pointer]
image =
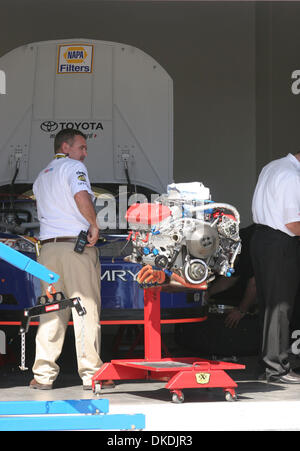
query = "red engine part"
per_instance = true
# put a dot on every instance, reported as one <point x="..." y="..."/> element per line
<point x="147" y="213"/>
<point x="220" y="214"/>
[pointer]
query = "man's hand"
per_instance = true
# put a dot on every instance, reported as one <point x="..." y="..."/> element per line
<point x="294" y="227"/>
<point x="233" y="318"/>
<point x="86" y="208"/>
<point x="93" y="236"/>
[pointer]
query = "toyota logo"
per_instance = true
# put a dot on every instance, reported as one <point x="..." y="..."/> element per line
<point x="49" y="126"/>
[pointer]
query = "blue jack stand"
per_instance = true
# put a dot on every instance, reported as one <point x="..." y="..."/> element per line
<point x="70" y="415"/>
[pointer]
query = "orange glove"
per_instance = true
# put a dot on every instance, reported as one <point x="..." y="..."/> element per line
<point x="149" y="276"/>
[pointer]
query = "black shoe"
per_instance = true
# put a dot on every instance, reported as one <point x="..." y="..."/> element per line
<point x="289" y="378"/>
<point x="261" y="377"/>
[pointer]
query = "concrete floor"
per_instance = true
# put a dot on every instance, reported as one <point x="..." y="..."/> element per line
<point x="260" y="406"/>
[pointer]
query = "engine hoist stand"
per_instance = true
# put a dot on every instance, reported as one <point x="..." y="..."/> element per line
<point x="180" y="373"/>
<point x="65" y="415"/>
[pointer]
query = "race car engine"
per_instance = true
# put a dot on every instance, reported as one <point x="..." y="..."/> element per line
<point x="186" y="234"/>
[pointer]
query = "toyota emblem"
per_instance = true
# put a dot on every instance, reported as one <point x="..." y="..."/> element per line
<point x="49" y="126"/>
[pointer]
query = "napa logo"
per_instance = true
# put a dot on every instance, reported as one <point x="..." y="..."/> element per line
<point x="75" y="55"/>
<point x="75" y="59"/>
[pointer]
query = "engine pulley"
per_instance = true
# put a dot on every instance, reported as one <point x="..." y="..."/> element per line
<point x="195" y="271"/>
<point x="161" y="261"/>
<point x="203" y="242"/>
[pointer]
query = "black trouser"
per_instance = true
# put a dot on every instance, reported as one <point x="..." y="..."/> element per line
<point x="275" y="257"/>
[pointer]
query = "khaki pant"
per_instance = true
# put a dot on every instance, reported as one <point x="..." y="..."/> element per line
<point x="79" y="277"/>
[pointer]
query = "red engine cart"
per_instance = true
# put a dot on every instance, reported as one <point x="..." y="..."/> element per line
<point x="180" y="373"/>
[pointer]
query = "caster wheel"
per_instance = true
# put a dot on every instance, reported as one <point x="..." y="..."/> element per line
<point x="177" y="399"/>
<point x="229" y="397"/>
<point x="97" y="389"/>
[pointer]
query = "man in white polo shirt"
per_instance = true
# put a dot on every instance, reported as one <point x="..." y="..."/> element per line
<point x="65" y="208"/>
<point x="275" y="257"/>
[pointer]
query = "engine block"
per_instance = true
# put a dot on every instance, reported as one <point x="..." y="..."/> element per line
<point x="185" y="233"/>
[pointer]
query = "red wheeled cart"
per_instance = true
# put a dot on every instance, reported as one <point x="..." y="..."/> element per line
<point x="180" y="373"/>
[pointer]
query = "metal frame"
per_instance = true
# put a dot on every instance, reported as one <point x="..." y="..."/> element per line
<point x="83" y="414"/>
<point x="186" y="372"/>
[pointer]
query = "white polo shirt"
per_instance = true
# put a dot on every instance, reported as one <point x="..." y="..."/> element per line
<point x="54" y="189"/>
<point x="276" y="199"/>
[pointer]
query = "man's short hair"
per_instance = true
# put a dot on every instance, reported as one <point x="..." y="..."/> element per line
<point x="66" y="135"/>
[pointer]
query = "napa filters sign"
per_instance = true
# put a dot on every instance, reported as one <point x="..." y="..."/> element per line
<point x="75" y="59"/>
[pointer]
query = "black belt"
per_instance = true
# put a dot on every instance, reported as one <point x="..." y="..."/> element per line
<point x="60" y="239"/>
<point x="266" y="228"/>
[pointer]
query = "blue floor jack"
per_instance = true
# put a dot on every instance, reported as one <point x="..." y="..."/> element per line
<point x="66" y="415"/>
<point x="55" y="415"/>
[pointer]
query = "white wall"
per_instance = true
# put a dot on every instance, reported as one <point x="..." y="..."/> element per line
<point x="208" y="48"/>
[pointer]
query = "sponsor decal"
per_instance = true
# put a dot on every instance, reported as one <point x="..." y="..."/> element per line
<point x="202" y="378"/>
<point x="81" y="176"/>
<point x="49" y="126"/>
<point x="51" y="308"/>
<point x="75" y="59"/>
<point x="85" y="126"/>
<point x="118" y="274"/>
<point x="48" y="170"/>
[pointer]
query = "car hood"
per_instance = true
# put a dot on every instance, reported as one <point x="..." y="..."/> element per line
<point x="119" y="96"/>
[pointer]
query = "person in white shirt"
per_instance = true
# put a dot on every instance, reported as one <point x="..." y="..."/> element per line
<point x="65" y="208"/>
<point x="275" y="258"/>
